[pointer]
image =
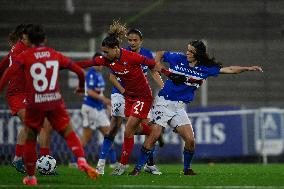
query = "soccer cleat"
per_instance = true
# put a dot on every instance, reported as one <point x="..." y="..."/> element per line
<point x="113" y="165"/>
<point x="19" y="165"/>
<point x="189" y="171"/>
<point x="101" y="166"/>
<point x="90" y="171"/>
<point x="119" y="170"/>
<point x="30" y="181"/>
<point x="135" y="172"/>
<point x="152" y="169"/>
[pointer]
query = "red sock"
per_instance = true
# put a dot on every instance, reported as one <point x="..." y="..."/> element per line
<point x="19" y="150"/>
<point x="146" y="129"/>
<point x="30" y="156"/>
<point x="44" y="151"/>
<point x="127" y="147"/>
<point x="74" y="144"/>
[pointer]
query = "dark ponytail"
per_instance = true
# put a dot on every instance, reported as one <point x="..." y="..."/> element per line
<point x="16" y="34"/>
<point x="202" y="56"/>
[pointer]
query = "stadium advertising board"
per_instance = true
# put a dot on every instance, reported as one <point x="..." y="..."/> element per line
<point x="218" y="135"/>
<point x="269" y="132"/>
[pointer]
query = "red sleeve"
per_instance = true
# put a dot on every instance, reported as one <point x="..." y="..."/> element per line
<point x="84" y="63"/>
<point x="66" y="62"/>
<point x="149" y="62"/>
<point x="97" y="61"/>
<point x="139" y="59"/>
<point x="4" y="64"/>
<point x="9" y="73"/>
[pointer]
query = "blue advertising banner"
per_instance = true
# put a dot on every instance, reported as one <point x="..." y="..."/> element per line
<point x="217" y="134"/>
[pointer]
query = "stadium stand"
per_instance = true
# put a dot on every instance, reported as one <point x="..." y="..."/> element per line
<point x="236" y="31"/>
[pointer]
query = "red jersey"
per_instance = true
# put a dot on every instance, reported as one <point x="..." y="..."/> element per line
<point x="41" y="66"/>
<point x="17" y="81"/>
<point x="128" y="68"/>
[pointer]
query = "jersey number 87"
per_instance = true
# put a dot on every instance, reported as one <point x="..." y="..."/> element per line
<point x="40" y="81"/>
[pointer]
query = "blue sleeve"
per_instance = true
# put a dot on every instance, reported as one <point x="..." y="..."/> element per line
<point x="172" y="57"/>
<point x="213" y="71"/>
<point x="149" y="55"/>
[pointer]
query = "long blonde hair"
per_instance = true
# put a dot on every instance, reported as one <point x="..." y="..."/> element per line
<point x="117" y="31"/>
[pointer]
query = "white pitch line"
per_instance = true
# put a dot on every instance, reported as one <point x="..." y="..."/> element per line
<point x="147" y="186"/>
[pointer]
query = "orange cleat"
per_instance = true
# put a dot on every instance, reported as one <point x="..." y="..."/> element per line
<point x="90" y="171"/>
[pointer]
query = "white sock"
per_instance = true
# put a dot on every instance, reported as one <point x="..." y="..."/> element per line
<point x="101" y="162"/>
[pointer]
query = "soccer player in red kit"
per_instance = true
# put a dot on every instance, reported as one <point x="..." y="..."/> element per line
<point x="41" y="65"/>
<point x="138" y="95"/>
<point x="16" y="95"/>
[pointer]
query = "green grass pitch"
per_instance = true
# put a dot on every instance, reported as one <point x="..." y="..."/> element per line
<point x="218" y="176"/>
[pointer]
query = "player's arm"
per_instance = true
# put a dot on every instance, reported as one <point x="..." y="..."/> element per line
<point x="80" y="74"/>
<point x="4" y="64"/>
<point x="9" y="73"/>
<point x="176" y="78"/>
<point x="239" y="69"/>
<point x="114" y="81"/>
<point x="97" y="96"/>
<point x="157" y="77"/>
<point x="159" y="56"/>
<point x="96" y="61"/>
<point x="84" y="63"/>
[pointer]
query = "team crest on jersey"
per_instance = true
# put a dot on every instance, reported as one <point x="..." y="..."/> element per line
<point x="125" y="63"/>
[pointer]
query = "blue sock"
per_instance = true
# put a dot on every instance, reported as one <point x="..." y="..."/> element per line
<point x="144" y="154"/>
<point x="187" y="158"/>
<point x="105" y="147"/>
<point x="150" y="160"/>
<point x="112" y="155"/>
<point x="73" y="159"/>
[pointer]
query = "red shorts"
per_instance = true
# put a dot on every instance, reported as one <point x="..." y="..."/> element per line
<point x="58" y="118"/>
<point x="137" y="107"/>
<point x="16" y="103"/>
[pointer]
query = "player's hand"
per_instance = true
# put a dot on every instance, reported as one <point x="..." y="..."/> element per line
<point x="177" y="79"/>
<point x="123" y="92"/>
<point x="106" y="101"/>
<point x="79" y="91"/>
<point x="255" y="68"/>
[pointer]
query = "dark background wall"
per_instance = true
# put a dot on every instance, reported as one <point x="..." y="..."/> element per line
<point x="237" y="32"/>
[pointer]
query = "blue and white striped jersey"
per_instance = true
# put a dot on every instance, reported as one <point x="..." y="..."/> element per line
<point x="178" y="63"/>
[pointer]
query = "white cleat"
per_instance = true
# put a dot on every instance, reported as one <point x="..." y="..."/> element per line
<point x="119" y="170"/>
<point x="152" y="169"/>
<point x="113" y="165"/>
